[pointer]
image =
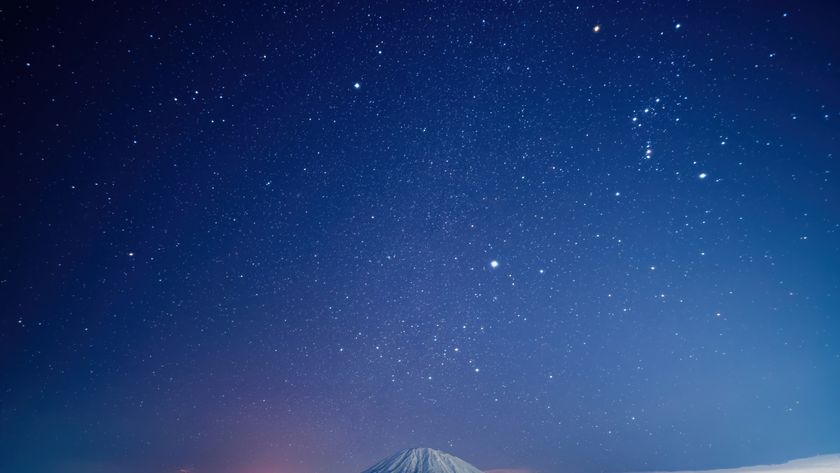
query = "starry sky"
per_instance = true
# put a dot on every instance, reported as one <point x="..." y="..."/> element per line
<point x="253" y="237"/>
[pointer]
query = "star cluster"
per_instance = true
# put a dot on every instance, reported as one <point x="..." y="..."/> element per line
<point x="298" y="237"/>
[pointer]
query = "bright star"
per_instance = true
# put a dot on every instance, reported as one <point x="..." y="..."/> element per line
<point x="494" y="264"/>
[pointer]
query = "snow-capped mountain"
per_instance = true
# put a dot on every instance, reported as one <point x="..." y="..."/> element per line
<point x="422" y="460"/>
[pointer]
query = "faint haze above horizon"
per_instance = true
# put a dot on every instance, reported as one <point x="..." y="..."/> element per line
<point x="296" y="236"/>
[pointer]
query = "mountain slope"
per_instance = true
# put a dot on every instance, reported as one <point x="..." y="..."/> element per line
<point x="422" y="460"/>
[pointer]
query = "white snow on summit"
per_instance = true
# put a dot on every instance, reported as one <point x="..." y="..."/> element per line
<point x="422" y="460"/>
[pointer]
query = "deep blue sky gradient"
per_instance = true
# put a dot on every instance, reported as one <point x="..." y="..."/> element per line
<point x="220" y="254"/>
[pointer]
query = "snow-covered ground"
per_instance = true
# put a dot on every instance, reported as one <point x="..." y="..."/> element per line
<point x="820" y="464"/>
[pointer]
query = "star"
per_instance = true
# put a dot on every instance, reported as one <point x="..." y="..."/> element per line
<point x="332" y="249"/>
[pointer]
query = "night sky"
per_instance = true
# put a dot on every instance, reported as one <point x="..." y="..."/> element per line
<point x="296" y="238"/>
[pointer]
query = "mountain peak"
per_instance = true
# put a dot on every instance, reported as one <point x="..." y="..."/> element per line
<point x="422" y="460"/>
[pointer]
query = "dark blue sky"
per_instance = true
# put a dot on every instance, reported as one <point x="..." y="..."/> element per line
<point x="295" y="238"/>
